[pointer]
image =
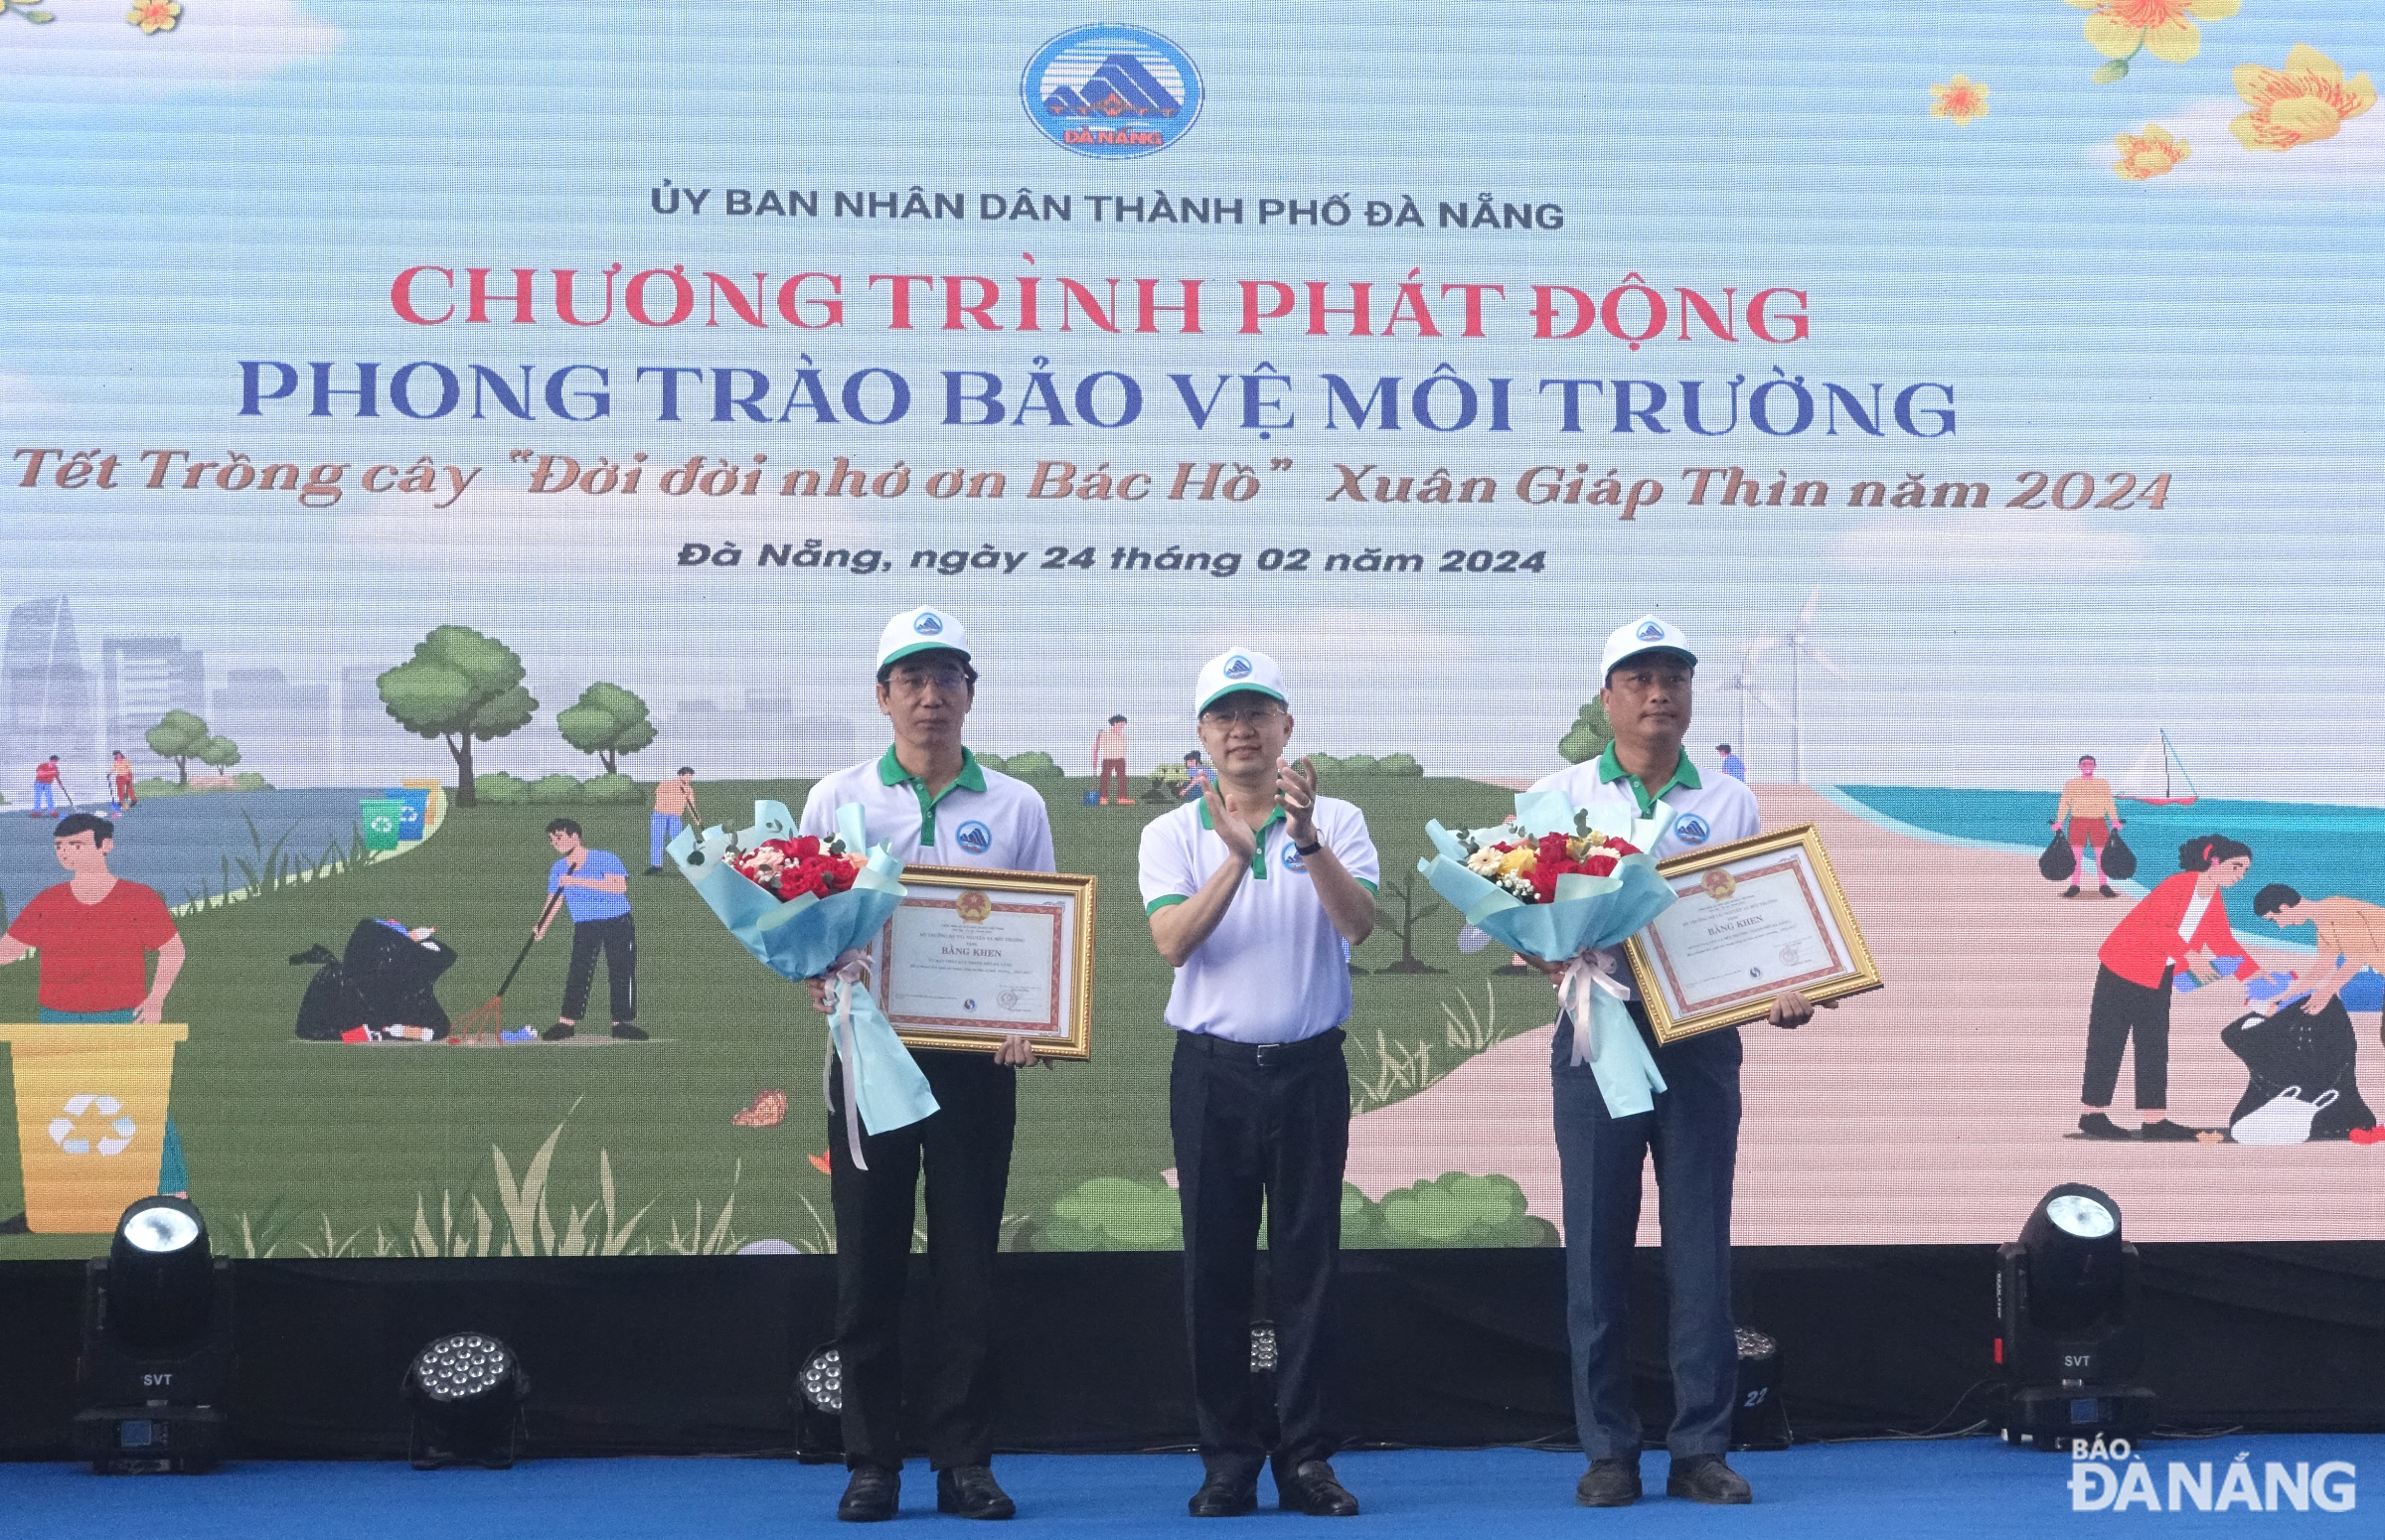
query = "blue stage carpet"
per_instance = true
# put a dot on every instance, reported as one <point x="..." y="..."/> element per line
<point x="1846" y="1491"/>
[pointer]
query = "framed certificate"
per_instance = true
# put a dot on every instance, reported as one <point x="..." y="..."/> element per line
<point x="975" y="956"/>
<point x="1748" y="920"/>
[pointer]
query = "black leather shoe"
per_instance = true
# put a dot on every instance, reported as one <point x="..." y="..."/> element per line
<point x="2097" y="1126"/>
<point x="1608" y="1483"/>
<point x="1224" y="1495"/>
<point x="874" y="1493"/>
<point x="972" y="1492"/>
<point x="2168" y="1130"/>
<point x="1311" y="1487"/>
<point x="628" y="1032"/>
<point x="559" y="1031"/>
<point x="1707" y="1479"/>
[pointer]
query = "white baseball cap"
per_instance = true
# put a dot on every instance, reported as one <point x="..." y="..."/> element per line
<point x="1234" y="670"/>
<point x="925" y="629"/>
<point x="1648" y="634"/>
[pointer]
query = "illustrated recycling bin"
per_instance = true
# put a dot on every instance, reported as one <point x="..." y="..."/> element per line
<point x="435" y="794"/>
<point x="414" y="806"/>
<point x="379" y="818"/>
<point x="90" y="1118"/>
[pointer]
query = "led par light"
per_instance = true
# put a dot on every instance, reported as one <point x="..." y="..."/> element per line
<point x="156" y="1361"/>
<point x="820" y="1407"/>
<point x="466" y="1391"/>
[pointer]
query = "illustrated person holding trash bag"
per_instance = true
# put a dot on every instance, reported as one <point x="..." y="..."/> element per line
<point x="2094" y="817"/>
<point x="2182" y="923"/>
<point x="928" y="800"/>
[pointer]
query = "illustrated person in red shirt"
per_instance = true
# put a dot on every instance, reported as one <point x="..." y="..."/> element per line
<point x="2182" y="923"/>
<point x="45" y="789"/>
<point x="95" y="933"/>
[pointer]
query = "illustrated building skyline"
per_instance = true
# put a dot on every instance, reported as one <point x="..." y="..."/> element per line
<point x="141" y="678"/>
<point x="284" y="729"/>
<point x="46" y="704"/>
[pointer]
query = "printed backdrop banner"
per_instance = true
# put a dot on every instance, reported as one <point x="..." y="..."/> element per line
<point x="423" y="424"/>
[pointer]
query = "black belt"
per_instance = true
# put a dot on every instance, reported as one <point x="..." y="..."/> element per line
<point x="1263" y="1055"/>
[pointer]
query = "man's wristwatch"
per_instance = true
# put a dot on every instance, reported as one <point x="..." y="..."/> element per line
<point x="1311" y="849"/>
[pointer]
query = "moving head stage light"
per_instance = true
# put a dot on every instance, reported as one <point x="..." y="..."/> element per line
<point x="467" y="1392"/>
<point x="156" y="1345"/>
<point x="2067" y="1328"/>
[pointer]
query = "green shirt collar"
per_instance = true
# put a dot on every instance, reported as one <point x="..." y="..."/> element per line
<point x="1685" y="774"/>
<point x="1258" y="856"/>
<point x="891" y="773"/>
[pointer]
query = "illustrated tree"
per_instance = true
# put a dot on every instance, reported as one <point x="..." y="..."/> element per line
<point x="220" y="751"/>
<point x="460" y="686"/>
<point x="180" y="737"/>
<point x="1589" y="736"/>
<point x="606" y="722"/>
<point x="1402" y="889"/>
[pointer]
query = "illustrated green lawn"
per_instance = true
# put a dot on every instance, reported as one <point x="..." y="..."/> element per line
<point x="300" y="1147"/>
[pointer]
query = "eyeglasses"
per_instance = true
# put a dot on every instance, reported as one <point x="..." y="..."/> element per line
<point x="1244" y="716"/>
<point x="916" y="684"/>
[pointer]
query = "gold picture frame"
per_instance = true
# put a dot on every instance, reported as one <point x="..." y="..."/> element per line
<point x="1769" y="915"/>
<point x="998" y="975"/>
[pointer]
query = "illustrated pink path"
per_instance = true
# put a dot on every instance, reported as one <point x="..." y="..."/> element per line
<point x="1934" y="1110"/>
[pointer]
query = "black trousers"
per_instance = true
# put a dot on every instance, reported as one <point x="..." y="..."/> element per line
<point x="965" y="1147"/>
<point x="617" y="939"/>
<point x="1255" y="1125"/>
<point x="2121" y="1010"/>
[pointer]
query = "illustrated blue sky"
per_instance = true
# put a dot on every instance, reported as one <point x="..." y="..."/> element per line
<point x="248" y="185"/>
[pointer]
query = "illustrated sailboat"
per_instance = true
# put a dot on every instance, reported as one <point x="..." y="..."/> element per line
<point x="2156" y="775"/>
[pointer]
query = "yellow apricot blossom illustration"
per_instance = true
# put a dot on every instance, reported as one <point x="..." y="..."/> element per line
<point x="2120" y="30"/>
<point x="154" y="16"/>
<point x="2153" y="153"/>
<point x="1961" y="98"/>
<point x="2308" y="100"/>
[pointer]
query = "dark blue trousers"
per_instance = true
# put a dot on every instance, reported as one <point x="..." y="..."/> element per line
<point x="1693" y="1134"/>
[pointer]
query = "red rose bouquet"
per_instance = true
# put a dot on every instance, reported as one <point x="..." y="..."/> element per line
<point x="786" y="868"/>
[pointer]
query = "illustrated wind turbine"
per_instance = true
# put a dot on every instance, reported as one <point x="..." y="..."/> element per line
<point x="1747" y="685"/>
<point x="1802" y="646"/>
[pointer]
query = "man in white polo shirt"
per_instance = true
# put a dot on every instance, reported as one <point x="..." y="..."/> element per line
<point x="929" y="799"/>
<point x="1252" y="892"/>
<point x="1692" y="1131"/>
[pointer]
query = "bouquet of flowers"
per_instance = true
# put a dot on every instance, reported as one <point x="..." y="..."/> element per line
<point x="808" y="908"/>
<point x="1558" y="882"/>
<point x="789" y="868"/>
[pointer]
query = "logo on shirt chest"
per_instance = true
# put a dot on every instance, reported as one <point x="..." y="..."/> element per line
<point x="1293" y="861"/>
<point x="974" y="837"/>
<point x="1689" y="829"/>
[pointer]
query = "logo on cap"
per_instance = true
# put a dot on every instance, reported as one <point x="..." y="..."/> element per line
<point x="1650" y="630"/>
<point x="928" y="624"/>
<point x="1238" y="666"/>
<point x="975" y="838"/>
<point x="1689" y="829"/>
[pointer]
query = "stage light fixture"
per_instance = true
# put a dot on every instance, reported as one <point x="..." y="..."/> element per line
<point x="2068" y="1334"/>
<point x="1758" y="1420"/>
<point x="1262" y="1347"/>
<point x="467" y="1392"/>
<point x="820" y="1407"/>
<point x="156" y="1362"/>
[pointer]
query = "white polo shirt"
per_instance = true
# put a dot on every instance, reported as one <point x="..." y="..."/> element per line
<point x="1703" y="815"/>
<point x="983" y="819"/>
<point x="1274" y="970"/>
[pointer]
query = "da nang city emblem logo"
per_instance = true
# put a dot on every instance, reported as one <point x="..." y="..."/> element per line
<point x="1111" y="91"/>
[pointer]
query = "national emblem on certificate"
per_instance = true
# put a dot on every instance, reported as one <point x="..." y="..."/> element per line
<point x="973" y="957"/>
<point x="1748" y="920"/>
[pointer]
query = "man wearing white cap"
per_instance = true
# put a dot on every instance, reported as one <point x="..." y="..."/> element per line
<point x="1252" y="892"/>
<point x="1692" y="1131"/>
<point x="929" y="799"/>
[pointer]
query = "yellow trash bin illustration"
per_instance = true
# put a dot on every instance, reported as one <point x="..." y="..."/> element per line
<point x="90" y="1118"/>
